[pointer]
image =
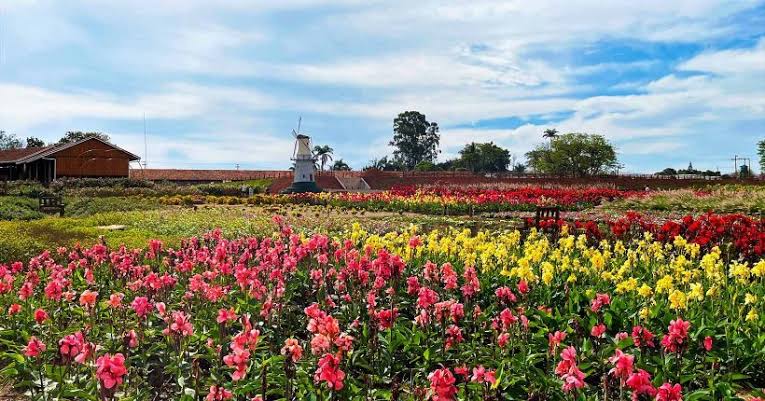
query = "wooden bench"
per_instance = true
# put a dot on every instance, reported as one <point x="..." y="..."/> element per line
<point x="546" y="213"/>
<point x="52" y="204"/>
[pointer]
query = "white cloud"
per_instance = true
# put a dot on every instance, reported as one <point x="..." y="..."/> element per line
<point x="730" y="62"/>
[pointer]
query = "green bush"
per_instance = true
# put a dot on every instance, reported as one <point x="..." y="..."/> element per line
<point x="19" y="208"/>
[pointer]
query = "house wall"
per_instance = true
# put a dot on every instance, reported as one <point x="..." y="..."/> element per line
<point x="92" y="159"/>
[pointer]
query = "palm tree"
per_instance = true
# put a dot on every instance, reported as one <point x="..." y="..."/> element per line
<point x="341" y="165"/>
<point x="324" y="153"/>
<point x="550" y="133"/>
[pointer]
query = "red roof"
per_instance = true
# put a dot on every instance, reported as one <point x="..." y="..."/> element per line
<point x="205" y="175"/>
<point x="12" y="155"/>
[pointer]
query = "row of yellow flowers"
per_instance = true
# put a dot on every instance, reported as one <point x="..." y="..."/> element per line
<point x="678" y="274"/>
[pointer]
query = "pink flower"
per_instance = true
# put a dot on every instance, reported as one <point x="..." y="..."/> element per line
<point x="141" y="306"/>
<point x="226" y="315"/>
<point x="40" y="316"/>
<point x="569" y="372"/>
<point x="523" y="287"/>
<point x="442" y="385"/>
<point x="640" y="383"/>
<point x="74" y="347"/>
<point x="600" y="301"/>
<point x="34" y="347"/>
<point x="292" y="349"/>
<point x="642" y="337"/>
<point x="239" y="359"/>
<point x="481" y="375"/>
<point x="110" y="370"/>
<point x="115" y="300"/>
<point x="218" y="394"/>
<point x="329" y="371"/>
<point x="678" y="333"/>
<point x="622" y="364"/>
<point x="555" y="339"/>
<point x="179" y="325"/>
<point x="669" y="392"/>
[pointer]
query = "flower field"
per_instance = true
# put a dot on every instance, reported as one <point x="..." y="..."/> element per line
<point x="634" y="311"/>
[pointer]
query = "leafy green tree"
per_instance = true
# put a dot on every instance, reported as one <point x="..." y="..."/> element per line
<point x="426" y="166"/>
<point x="415" y="139"/>
<point x="761" y="153"/>
<point x="574" y="154"/>
<point x="341" y="165"/>
<point x="667" y="171"/>
<point x="324" y="153"/>
<point x="384" y="164"/>
<point x="9" y="141"/>
<point x="519" y="168"/>
<point x="484" y="157"/>
<point x="74" y="136"/>
<point x="34" y="142"/>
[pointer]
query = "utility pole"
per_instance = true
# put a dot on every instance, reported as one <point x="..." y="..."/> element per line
<point x="735" y="165"/>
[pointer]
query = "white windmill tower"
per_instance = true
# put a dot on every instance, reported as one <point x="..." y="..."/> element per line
<point x="304" y="178"/>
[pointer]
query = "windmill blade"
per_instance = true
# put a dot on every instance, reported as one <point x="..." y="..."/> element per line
<point x="300" y="120"/>
<point x="294" y="134"/>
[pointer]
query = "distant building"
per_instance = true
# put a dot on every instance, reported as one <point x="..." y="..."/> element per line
<point x="89" y="157"/>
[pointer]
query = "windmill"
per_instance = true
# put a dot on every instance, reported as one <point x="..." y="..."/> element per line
<point x="304" y="172"/>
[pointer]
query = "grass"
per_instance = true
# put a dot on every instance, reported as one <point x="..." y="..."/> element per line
<point x="728" y="199"/>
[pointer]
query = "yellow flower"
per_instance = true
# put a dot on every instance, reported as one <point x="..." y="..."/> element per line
<point x="645" y="291"/>
<point x="750" y="299"/>
<point x="677" y="300"/>
<point x="696" y="292"/>
<point x="664" y="284"/>
<point x="739" y="271"/>
<point x="759" y="268"/>
<point x="752" y="315"/>
<point x="645" y="313"/>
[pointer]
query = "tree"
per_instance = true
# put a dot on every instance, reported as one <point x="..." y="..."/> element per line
<point x="550" y="133"/>
<point x="324" y="153"/>
<point x="74" y="136"/>
<point x="341" y="165"/>
<point x="426" y="166"/>
<point x="575" y="154"/>
<point x="484" y="157"/>
<point x="761" y="153"/>
<point x="667" y="171"/>
<point x="383" y="164"/>
<point x="414" y="138"/>
<point x="9" y="141"/>
<point x="34" y="142"/>
<point x="519" y="168"/>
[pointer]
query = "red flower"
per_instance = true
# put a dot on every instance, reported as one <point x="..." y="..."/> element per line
<point x="226" y="315"/>
<point x="88" y="298"/>
<point x="708" y="343"/>
<point x="329" y="371"/>
<point x="598" y="330"/>
<point x="141" y="306"/>
<point x="34" y="347"/>
<point x="110" y="369"/>
<point x="642" y="337"/>
<point x="442" y="385"/>
<point x="40" y="316"/>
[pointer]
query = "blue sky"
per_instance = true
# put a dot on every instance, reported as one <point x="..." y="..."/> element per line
<point x="223" y="83"/>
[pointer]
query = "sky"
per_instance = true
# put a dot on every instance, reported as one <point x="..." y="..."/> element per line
<point x="223" y="83"/>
